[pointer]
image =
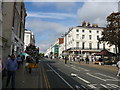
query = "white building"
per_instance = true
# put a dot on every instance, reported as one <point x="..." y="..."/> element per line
<point x="28" y="38"/>
<point x="0" y="29"/>
<point x="83" y="41"/>
<point x="54" y="50"/>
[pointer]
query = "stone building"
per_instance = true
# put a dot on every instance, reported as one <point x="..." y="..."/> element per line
<point x="28" y="38"/>
<point x="14" y="14"/>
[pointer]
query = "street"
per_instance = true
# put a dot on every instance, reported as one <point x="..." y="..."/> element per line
<point x="79" y="77"/>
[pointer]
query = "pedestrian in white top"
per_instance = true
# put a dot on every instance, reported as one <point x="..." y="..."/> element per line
<point x="118" y="65"/>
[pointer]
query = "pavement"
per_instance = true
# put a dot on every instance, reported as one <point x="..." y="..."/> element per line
<point x="24" y="80"/>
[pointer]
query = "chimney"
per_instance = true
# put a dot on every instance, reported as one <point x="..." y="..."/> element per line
<point x="88" y="24"/>
<point x="84" y="24"/>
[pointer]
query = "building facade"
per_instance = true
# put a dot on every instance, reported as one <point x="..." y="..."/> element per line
<point x="0" y="29"/>
<point x="14" y="14"/>
<point x="82" y="41"/>
<point x="28" y="38"/>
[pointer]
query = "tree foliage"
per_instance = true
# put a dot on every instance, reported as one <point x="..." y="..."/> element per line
<point x="32" y="50"/>
<point x="111" y="34"/>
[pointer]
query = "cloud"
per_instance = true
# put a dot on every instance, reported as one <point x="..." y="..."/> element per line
<point x="61" y="5"/>
<point x="96" y="12"/>
<point x="46" y="33"/>
<point x="39" y="25"/>
<point x="50" y="15"/>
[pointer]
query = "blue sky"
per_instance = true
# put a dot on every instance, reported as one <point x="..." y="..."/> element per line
<point x="49" y="20"/>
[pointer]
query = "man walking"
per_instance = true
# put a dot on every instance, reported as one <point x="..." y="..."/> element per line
<point x="11" y="67"/>
<point x="118" y="65"/>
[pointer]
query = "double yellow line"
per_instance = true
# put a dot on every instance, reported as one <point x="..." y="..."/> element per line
<point x="47" y="84"/>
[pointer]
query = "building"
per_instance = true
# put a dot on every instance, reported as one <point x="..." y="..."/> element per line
<point x="29" y="38"/>
<point x="14" y="14"/>
<point x="0" y="29"/>
<point x="82" y="41"/>
<point x="54" y="51"/>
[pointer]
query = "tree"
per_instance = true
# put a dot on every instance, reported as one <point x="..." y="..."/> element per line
<point x="32" y="50"/>
<point x="111" y="34"/>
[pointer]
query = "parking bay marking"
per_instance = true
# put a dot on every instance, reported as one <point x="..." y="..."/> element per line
<point x="80" y="68"/>
<point x="95" y="77"/>
<point x="75" y="75"/>
<point x="105" y="75"/>
<point x="112" y="78"/>
<point x="107" y="86"/>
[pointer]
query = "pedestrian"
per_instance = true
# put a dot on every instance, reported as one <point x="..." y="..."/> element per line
<point x="118" y="65"/>
<point x="87" y="60"/>
<point x="29" y="60"/>
<point x="19" y="60"/>
<point x="65" y="60"/>
<point x="11" y="67"/>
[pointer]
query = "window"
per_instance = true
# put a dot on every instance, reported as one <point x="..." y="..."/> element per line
<point x="98" y="45"/>
<point x="83" y="30"/>
<point x="90" y="37"/>
<point x="83" y="36"/>
<point x="97" y="31"/>
<point x="77" y="36"/>
<point x="97" y="37"/>
<point x="83" y="45"/>
<point x="90" y="45"/>
<point x="77" y="44"/>
<point x="77" y="30"/>
<point x="90" y="31"/>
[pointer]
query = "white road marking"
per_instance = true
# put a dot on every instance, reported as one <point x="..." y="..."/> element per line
<point x="112" y="80"/>
<point x="95" y="77"/>
<point x="61" y="77"/>
<point x="72" y="74"/>
<point x="105" y="75"/>
<point x="84" y="69"/>
<point x="104" y="85"/>
<point x="113" y="86"/>
<point x="75" y="69"/>
<point x="77" y="87"/>
<point x="80" y="68"/>
<point x="92" y="85"/>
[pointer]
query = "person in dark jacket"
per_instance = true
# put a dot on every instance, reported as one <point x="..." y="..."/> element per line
<point x="11" y="67"/>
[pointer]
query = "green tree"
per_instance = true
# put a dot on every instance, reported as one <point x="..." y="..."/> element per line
<point x="111" y="34"/>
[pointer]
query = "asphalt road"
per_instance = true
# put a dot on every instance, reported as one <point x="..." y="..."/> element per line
<point x="79" y="77"/>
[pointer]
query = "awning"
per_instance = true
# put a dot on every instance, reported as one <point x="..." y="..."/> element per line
<point x="104" y="53"/>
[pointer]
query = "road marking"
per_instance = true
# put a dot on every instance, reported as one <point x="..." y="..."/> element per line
<point x="104" y="85"/>
<point x="113" y="86"/>
<point x="72" y="74"/>
<point x="95" y="77"/>
<point x="75" y="69"/>
<point x="80" y="68"/>
<point x="92" y="85"/>
<point x="78" y="87"/>
<point x="105" y="75"/>
<point x="112" y="80"/>
<point x="61" y="77"/>
<point x="84" y="69"/>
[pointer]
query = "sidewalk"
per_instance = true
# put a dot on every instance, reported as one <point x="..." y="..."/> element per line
<point x="26" y="80"/>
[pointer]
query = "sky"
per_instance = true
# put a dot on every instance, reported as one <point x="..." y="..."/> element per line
<point x="50" y="20"/>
